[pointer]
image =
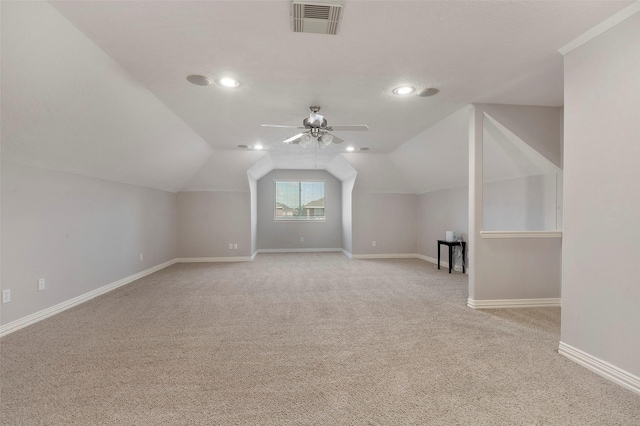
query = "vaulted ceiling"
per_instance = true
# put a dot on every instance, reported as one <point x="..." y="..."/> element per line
<point x="99" y="88"/>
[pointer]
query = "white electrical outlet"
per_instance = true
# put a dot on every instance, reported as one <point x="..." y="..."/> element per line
<point x="373" y="243"/>
<point x="302" y="239"/>
<point x="141" y="257"/>
<point x="6" y="296"/>
<point x="230" y="246"/>
<point x="235" y="246"/>
<point x="40" y="284"/>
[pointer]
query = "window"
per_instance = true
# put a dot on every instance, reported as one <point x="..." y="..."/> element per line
<point x="295" y="200"/>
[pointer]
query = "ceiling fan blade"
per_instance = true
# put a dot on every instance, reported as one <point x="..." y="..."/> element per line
<point x="292" y="139"/>
<point x="336" y="139"/>
<point x="350" y="128"/>
<point x="282" y="127"/>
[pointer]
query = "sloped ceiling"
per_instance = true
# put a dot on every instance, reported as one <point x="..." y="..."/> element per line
<point x="230" y="164"/>
<point x="99" y="87"/>
<point x="438" y="158"/>
<point x="376" y="173"/>
<point x="507" y="156"/>
<point x="68" y="106"/>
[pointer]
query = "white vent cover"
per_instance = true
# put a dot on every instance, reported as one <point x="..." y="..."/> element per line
<point x="315" y="17"/>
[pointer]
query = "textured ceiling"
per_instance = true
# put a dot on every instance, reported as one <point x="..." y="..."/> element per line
<point x="116" y="103"/>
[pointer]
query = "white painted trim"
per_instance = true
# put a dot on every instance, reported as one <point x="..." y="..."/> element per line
<point x="600" y="367"/>
<point x="346" y="253"/>
<point x="443" y="263"/>
<point x="601" y="28"/>
<point x="48" y="312"/>
<point x="253" y="256"/>
<point x="385" y="256"/>
<point x="520" y="234"/>
<point x="300" y="250"/>
<point x="321" y="220"/>
<point x="429" y="259"/>
<point x="213" y="259"/>
<point x="514" y="303"/>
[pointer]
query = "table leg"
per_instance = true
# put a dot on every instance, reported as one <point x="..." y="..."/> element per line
<point x="438" y="255"/>
<point x="450" y="263"/>
<point x="463" y="257"/>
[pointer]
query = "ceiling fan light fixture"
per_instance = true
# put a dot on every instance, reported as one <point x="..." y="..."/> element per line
<point x="350" y="149"/>
<point x="258" y="147"/>
<point x="228" y="82"/>
<point x="305" y="140"/>
<point x="404" y="90"/>
<point x="326" y="139"/>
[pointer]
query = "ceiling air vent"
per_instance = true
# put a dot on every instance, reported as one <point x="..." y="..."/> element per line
<point x="315" y="17"/>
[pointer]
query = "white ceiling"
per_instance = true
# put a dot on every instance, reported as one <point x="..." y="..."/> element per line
<point x="506" y="156"/>
<point x="99" y="87"/>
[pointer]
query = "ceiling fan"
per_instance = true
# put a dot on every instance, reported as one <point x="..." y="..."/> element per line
<point x="315" y="127"/>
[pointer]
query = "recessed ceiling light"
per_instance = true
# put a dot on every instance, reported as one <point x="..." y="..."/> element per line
<point x="257" y="147"/>
<point x="199" y="80"/>
<point x="350" y="148"/>
<point x="228" y="82"/>
<point x="404" y="90"/>
<point x="428" y="92"/>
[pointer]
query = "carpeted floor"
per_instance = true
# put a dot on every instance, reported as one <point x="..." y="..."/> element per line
<point x="294" y="339"/>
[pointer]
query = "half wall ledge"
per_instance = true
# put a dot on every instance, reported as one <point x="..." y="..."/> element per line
<point x="520" y="234"/>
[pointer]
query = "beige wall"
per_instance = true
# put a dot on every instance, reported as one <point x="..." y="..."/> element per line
<point x="601" y="291"/>
<point x="78" y="233"/>
<point x="387" y="219"/>
<point x="522" y="204"/>
<point x="347" y="214"/>
<point x="439" y="212"/>
<point x="253" y="187"/>
<point x="514" y="268"/>
<point x="285" y="235"/>
<point x="209" y="221"/>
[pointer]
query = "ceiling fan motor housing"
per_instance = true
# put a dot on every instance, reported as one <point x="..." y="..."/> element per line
<point x="309" y="124"/>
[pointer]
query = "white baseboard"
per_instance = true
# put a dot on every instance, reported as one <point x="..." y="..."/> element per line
<point x="300" y="250"/>
<point x="600" y="367"/>
<point x="46" y="313"/>
<point x="431" y="260"/>
<point x="253" y="256"/>
<point x="214" y="259"/>
<point x="513" y="303"/>
<point x="443" y="263"/>
<point x="346" y="253"/>
<point x="385" y="256"/>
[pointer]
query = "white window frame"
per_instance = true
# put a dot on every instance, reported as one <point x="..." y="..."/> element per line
<point x="300" y="218"/>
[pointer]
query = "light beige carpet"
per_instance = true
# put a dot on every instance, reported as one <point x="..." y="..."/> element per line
<point x="294" y="339"/>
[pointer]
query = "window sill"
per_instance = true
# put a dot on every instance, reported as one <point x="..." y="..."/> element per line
<point x="520" y="234"/>
<point x="300" y="220"/>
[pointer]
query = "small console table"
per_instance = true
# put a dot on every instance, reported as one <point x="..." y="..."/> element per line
<point x="452" y="244"/>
